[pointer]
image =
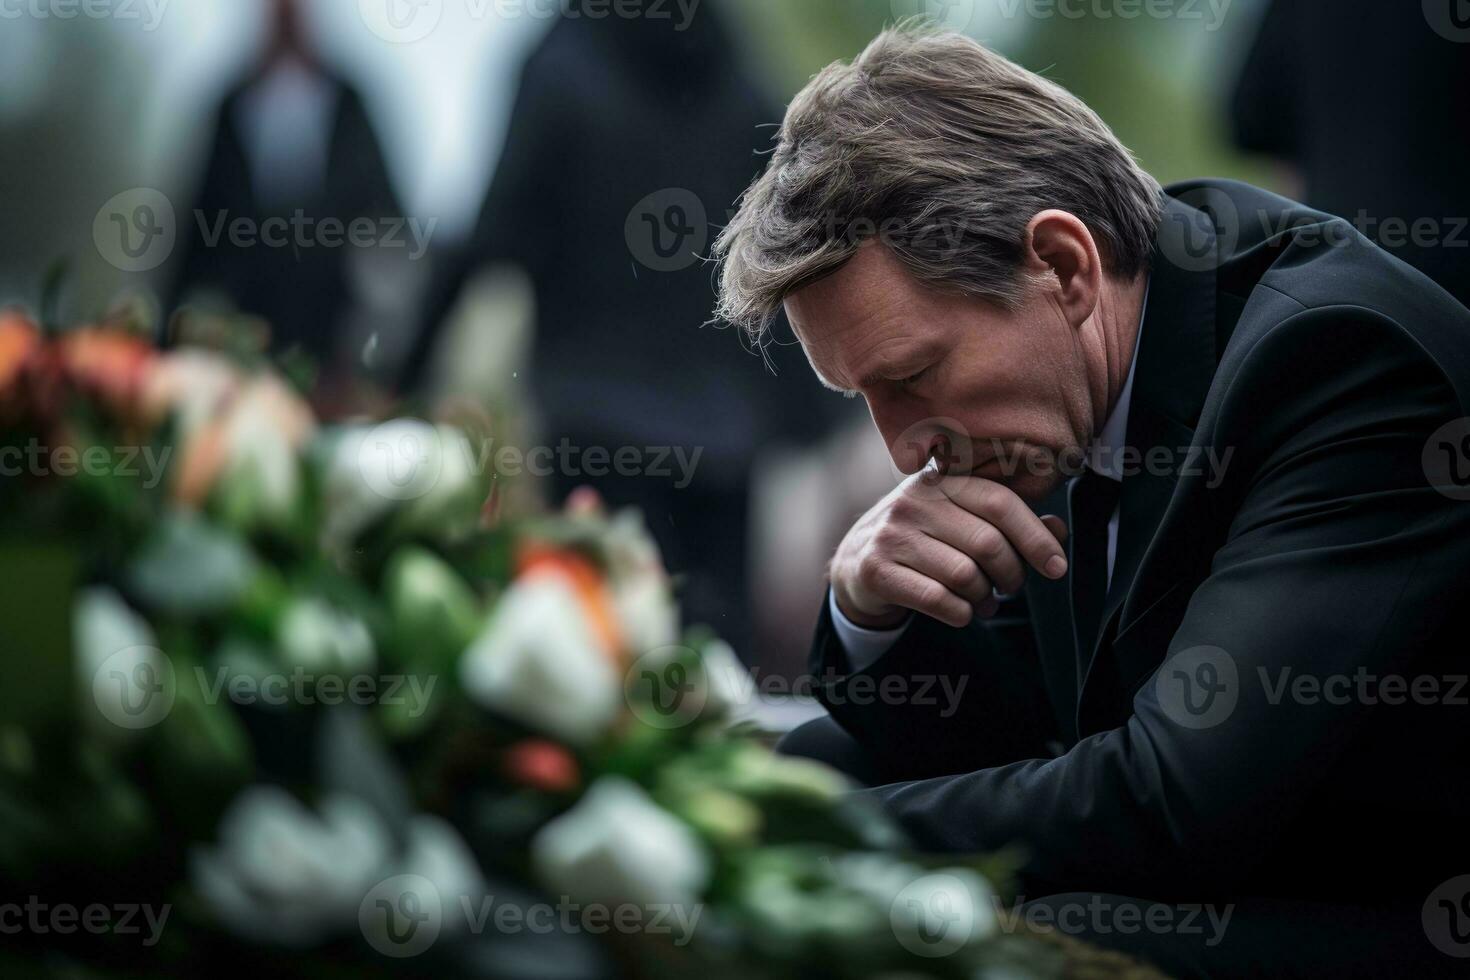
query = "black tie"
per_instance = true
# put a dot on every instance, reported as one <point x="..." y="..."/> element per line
<point x="1092" y="500"/>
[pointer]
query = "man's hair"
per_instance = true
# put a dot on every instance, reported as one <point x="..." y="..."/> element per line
<point x="943" y="151"/>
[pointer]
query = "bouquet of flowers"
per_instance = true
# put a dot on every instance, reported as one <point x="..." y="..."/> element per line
<point x="300" y="699"/>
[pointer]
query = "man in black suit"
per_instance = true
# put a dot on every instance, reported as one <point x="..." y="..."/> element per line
<point x="1170" y="598"/>
<point x="293" y="148"/>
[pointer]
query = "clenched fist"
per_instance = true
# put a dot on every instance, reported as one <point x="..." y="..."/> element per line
<point x="942" y="547"/>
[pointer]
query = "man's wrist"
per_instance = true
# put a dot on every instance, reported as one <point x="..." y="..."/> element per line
<point x="889" y="621"/>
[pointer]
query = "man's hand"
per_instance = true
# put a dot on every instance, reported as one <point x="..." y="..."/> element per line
<point x="942" y="553"/>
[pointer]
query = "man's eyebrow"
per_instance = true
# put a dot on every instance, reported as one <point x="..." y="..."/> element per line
<point x="914" y="358"/>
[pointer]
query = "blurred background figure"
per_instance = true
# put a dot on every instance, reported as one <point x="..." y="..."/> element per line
<point x="292" y="138"/>
<point x="1367" y="103"/>
<point x="629" y="139"/>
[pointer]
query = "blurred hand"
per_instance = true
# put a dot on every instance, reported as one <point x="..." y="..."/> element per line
<point x="942" y="552"/>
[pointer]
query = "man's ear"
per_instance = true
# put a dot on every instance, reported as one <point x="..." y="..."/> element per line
<point x="1058" y="242"/>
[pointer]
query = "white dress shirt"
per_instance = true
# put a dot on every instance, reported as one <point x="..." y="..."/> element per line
<point x="864" y="646"/>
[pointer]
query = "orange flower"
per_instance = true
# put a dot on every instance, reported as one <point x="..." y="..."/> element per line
<point x="542" y="765"/>
<point x="111" y="364"/>
<point x="19" y="340"/>
<point x="589" y="585"/>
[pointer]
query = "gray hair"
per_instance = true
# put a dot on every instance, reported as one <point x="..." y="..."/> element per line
<point x="943" y="151"/>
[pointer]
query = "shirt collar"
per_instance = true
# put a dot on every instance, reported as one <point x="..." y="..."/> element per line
<point x="1103" y="455"/>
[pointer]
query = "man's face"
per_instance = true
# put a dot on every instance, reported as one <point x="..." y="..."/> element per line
<point x="1007" y="390"/>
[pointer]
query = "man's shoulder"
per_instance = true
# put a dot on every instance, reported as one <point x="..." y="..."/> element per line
<point x="1293" y="278"/>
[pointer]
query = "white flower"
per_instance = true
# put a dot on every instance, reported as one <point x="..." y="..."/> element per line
<point x="121" y="669"/>
<point x="539" y="662"/>
<point x="286" y="876"/>
<point x="729" y="686"/>
<point x="426" y="473"/>
<point x="617" y="845"/>
<point x="266" y="427"/>
<point x="320" y="639"/>
<point x="646" y="611"/>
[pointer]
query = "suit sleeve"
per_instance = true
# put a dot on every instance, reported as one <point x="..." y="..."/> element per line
<point x="1338" y="556"/>
<point x="940" y="700"/>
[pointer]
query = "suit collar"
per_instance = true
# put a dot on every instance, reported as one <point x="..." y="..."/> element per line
<point x="1173" y="368"/>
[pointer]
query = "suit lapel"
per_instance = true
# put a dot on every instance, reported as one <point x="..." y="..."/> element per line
<point x="1176" y="363"/>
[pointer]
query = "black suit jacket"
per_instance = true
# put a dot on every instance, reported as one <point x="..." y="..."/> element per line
<point x="1323" y="367"/>
<point x="304" y="294"/>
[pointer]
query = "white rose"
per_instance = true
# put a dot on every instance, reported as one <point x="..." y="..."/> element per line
<point x="123" y="673"/>
<point x="351" y="502"/>
<point x="283" y="875"/>
<point x="264" y="431"/>
<point x="728" y="682"/>
<point x="617" y="845"/>
<point x="426" y="473"/>
<point x="321" y="639"/>
<point x="539" y="662"/>
<point x="646" y="612"/>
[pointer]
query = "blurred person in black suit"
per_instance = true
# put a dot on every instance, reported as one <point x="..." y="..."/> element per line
<point x="1367" y="101"/>
<point x="629" y="140"/>
<point x="293" y="138"/>
<point x="1185" y="525"/>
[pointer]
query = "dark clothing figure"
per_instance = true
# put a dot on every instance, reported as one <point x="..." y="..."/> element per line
<point x="295" y="155"/>
<point x="629" y="140"/>
<point x="1174" y="754"/>
<point x="1370" y="101"/>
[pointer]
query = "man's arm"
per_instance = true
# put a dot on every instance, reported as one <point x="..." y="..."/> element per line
<point x="1339" y="556"/>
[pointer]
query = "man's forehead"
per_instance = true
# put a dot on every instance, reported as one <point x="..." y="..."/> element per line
<point x="857" y="321"/>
